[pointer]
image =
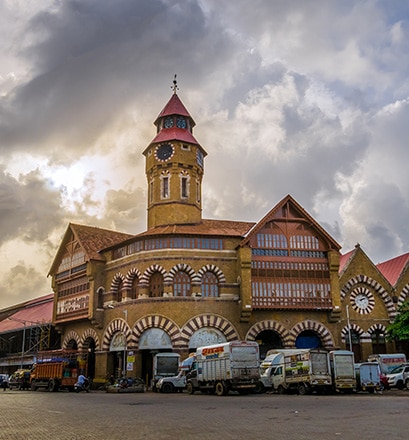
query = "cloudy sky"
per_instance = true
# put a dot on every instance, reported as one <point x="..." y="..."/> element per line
<point x="308" y="98"/>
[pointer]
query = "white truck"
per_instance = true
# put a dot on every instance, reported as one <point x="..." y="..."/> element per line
<point x="369" y="377"/>
<point x="388" y="362"/>
<point x="231" y="366"/>
<point x="343" y="370"/>
<point x="177" y="383"/>
<point x="301" y="370"/>
<point x="164" y="365"/>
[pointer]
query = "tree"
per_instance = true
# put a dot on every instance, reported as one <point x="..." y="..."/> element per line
<point x="399" y="329"/>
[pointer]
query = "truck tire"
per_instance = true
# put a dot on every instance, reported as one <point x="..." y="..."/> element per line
<point x="259" y="388"/>
<point x="189" y="388"/>
<point x="221" y="389"/>
<point x="51" y="386"/>
<point x="33" y="386"/>
<point x="302" y="389"/>
<point x="280" y="389"/>
<point x="167" y="388"/>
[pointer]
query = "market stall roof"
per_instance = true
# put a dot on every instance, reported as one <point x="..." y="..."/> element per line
<point x="31" y="314"/>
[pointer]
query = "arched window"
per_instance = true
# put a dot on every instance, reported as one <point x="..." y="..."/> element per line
<point x="378" y="342"/>
<point x="210" y="286"/>
<point x="354" y="344"/>
<point x="181" y="284"/>
<point x="134" y="288"/>
<point x="156" y="285"/>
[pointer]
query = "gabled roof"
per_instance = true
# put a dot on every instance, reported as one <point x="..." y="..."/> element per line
<point x="175" y="107"/>
<point x="345" y="259"/>
<point x="29" y="314"/>
<point x="394" y="268"/>
<point x="302" y="213"/>
<point x="91" y="239"/>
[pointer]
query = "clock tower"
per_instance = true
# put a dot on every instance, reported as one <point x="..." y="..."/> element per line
<point x="174" y="168"/>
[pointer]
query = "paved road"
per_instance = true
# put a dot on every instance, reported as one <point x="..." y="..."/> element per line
<point x="27" y="415"/>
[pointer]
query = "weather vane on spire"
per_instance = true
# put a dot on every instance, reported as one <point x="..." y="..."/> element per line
<point x="175" y="85"/>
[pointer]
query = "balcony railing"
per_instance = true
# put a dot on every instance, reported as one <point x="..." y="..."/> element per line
<point x="289" y="302"/>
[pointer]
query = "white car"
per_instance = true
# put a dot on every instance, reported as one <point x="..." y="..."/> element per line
<point x="399" y="377"/>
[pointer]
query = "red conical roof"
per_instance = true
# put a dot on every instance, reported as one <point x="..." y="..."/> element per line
<point x="175" y="107"/>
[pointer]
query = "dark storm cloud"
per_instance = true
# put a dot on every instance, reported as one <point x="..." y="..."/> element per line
<point x="91" y="60"/>
<point x="29" y="207"/>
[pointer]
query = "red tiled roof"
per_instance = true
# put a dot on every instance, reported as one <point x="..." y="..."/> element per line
<point x="392" y="269"/>
<point x="174" y="107"/>
<point x="33" y="313"/>
<point x="344" y="259"/>
<point x="94" y="239"/>
<point x="170" y="134"/>
<point x="205" y="227"/>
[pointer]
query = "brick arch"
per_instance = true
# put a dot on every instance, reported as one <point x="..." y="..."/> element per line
<point x="375" y="287"/>
<point x="404" y="295"/>
<point x="209" y="320"/>
<point x="144" y="280"/>
<point x="261" y="326"/>
<point x="214" y="269"/>
<point x="157" y="321"/>
<point x="130" y="276"/>
<point x="90" y="333"/>
<point x="183" y="267"/>
<point x="376" y="327"/>
<point x="356" y="328"/>
<point x="115" y="326"/>
<point x="315" y="326"/>
<point x="116" y="281"/>
<point x="72" y="335"/>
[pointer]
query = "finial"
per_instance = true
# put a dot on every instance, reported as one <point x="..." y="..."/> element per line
<point x="175" y="85"/>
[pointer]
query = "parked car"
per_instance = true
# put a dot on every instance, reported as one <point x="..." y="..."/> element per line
<point x="20" y="379"/>
<point x="399" y="377"/>
<point x="4" y="380"/>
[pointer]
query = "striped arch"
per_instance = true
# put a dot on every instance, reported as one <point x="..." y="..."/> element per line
<point x="183" y="267"/>
<point x="261" y="326"/>
<point x="404" y="295"/>
<point x="214" y="269"/>
<point x="116" y="281"/>
<point x="376" y="327"/>
<point x="375" y="286"/>
<point x="156" y="321"/>
<point x="354" y="327"/>
<point x="208" y="320"/>
<point x="152" y="269"/>
<point x="317" y="327"/>
<point x="90" y="333"/>
<point x="72" y="335"/>
<point x="130" y="276"/>
<point x="115" y="326"/>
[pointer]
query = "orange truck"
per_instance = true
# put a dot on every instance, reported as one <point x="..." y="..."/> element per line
<point x="57" y="370"/>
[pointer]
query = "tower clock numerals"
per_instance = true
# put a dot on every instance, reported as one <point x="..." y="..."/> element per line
<point x="164" y="152"/>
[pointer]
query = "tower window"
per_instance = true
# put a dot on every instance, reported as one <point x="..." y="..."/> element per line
<point x="184" y="187"/>
<point x="165" y="187"/>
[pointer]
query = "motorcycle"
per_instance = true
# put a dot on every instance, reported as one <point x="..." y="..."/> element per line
<point x="85" y="386"/>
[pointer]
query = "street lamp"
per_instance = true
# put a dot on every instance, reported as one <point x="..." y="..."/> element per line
<point x="124" y="363"/>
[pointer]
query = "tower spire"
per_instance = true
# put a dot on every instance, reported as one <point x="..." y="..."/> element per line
<point x="175" y="85"/>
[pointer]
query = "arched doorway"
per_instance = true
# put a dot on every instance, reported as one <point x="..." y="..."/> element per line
<point x="90" y="347"/>
<point x="117" y="353"/>
<point x="308" y="339"/>
<point x="152" y="341"/>
<point x="267" y="340"/>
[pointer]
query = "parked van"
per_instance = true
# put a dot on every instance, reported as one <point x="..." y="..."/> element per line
<point x="388" y="362"/>
<point x="368" y="376"/>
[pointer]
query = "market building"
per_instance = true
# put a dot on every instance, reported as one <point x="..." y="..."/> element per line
<point x="187" y="281"/>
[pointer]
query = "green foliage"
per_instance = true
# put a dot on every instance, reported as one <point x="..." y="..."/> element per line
<point x="399" y="329"/>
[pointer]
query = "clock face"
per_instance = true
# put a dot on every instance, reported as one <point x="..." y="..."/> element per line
<point x="181" y="122"/>
<point x="168" y="122"/>
<point x="362" y="300"/>
<point x="164" y="152"/>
